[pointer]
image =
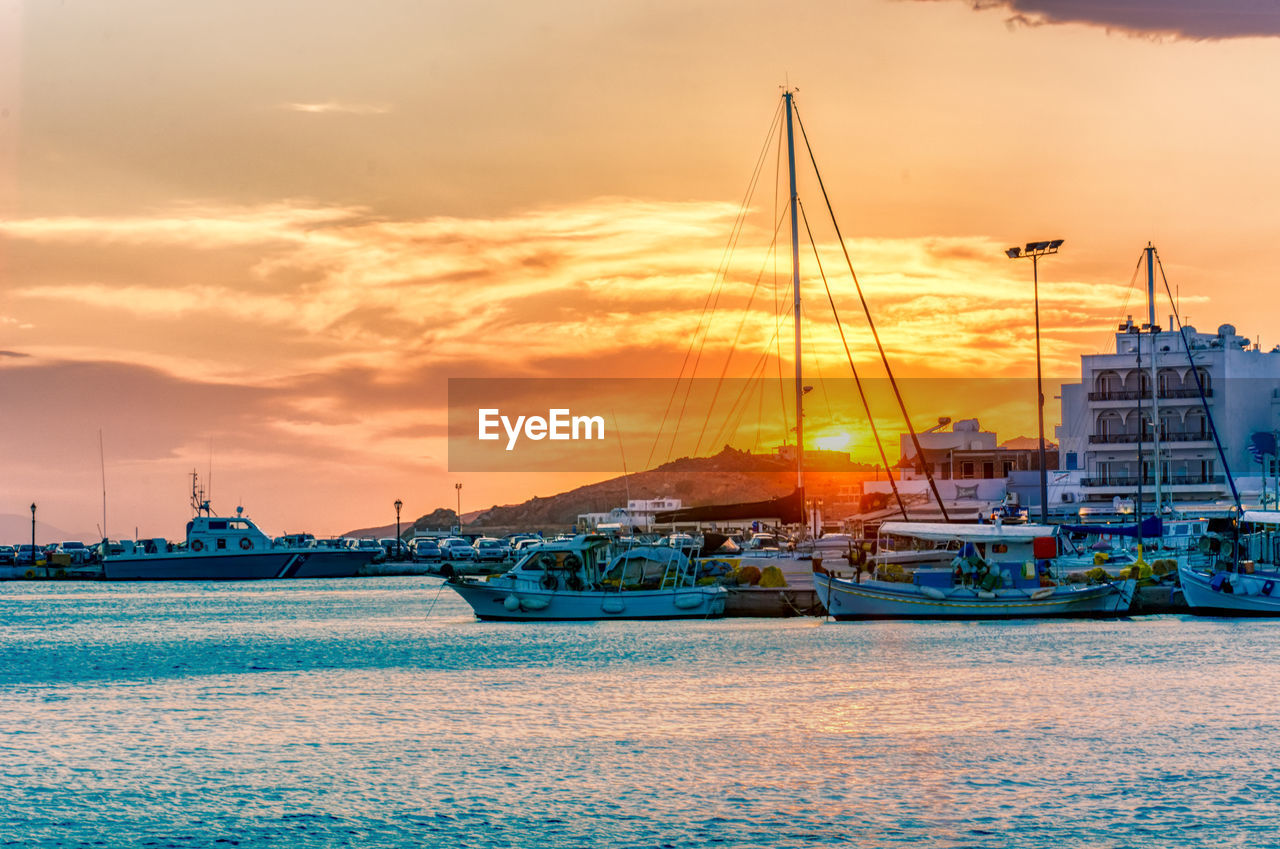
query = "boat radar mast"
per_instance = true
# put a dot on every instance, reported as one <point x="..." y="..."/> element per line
<point x="199" y="502"/>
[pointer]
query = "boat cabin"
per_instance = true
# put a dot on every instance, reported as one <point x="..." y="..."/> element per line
<point x="218" y="534"/>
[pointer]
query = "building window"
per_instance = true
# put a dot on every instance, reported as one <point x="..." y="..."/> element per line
<point x="966" y="469"/>
<point x="1073" y="461"/>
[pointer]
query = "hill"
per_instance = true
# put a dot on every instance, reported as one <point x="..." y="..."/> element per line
<point x="727" y="477"/>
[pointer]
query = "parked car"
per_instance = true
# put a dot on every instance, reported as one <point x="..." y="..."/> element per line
<point x="29" y="555"/>
<point x="426" y="550"/>
<point x="392" y="551"/>
<point x="456" y="548"/>
<point x="370" y="544"/>
<point x="523" y="546"/>
<point x="7" y="555"/>
<point x="77" y="551"/>
<point x="488" y="549"/>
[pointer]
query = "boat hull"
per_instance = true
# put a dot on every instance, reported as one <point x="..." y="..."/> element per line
<point x="236" y="566"/>
<point x="770" y="602"/>
<point x="1249" y="596"/>
<point x="845" y="599"/>
<point x="531" y="603"/>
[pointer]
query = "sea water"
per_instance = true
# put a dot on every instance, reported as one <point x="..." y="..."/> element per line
<point x="378" y="712"/>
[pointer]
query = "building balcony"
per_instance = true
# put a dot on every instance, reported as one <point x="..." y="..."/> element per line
<point x="1122" y="481"/>
<point x="1134" y="394"/>
<point x="1133" y="438"/>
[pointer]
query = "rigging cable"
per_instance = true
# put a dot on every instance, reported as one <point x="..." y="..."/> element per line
<point x="1213" y="429"/>
<point x="713" y="296"/>
<point x="856" y="379"/>
<point x="915" y="440"/>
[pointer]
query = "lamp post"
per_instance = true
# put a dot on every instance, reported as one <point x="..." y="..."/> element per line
<point x="398" y="505"/>
<point x="33" y="535"/>
<point x="458" y="512"/>
<point x="1033" y="251"/>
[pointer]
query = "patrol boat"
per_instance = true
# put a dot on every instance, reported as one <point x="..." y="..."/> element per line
<point x="221" y="548"/>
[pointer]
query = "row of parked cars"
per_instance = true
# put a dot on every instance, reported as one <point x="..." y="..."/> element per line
<point x="428" y="549"/>
<point x="71" y="553"/>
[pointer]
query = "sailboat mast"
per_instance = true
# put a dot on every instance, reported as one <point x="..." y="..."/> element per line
<point x="795" y="290"/>
<point x="1155" y="386"/>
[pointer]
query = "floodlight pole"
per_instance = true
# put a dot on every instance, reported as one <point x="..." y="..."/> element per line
<point x="1035" y="250"/>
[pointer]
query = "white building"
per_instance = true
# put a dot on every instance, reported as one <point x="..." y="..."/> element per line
<point x="637" y="514"/>
<point x="1106" y="436"/>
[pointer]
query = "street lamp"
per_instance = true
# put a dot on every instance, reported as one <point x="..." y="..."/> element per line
<point x="1033" y="251"/>
<point x="398" y="505"/>
<point x="33" y="534"/>
<point x="458" y="513"/>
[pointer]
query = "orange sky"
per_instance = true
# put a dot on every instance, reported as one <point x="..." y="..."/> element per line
<point x="271" y="232"/>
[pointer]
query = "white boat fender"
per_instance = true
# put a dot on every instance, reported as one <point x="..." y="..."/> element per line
<point x="933" y="592"/>
<point x="512" y="602"/>
<point x="986" y="594"/>
<point x="1043" y="592"/>
<point x="687" y="601"/>
<point x="612" y="605"/>
<point x="535" y="603"/>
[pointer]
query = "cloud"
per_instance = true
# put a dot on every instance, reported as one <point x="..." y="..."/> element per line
<point x="13" y="354"/>
<point x="1189" y="19"/>
<point x="333" y="106"/>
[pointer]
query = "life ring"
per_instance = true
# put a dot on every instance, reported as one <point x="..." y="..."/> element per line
<point x="1226" y="548"/>
<point x="246" y="543"/>
<point x="197" y="545"/>
<point x="549" y="581"/>
<point x="572" y="562"/>
<point x="574" y="584"/>
<point x="1104" y="537"/>
<point x="30" y="573"/>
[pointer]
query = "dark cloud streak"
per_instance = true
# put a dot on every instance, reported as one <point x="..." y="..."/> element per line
<point x="1194" y="20"/>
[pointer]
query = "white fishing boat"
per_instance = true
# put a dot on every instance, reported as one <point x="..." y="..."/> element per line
<point x="999" y="572"/>
<point x="221" y="548"/>
<point x="1238" y="573"/>
<point x="581" y="578"/>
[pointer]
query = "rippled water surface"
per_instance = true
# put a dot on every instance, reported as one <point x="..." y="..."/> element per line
<point x="378" y="712"/>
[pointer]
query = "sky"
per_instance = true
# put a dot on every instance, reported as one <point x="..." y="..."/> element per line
<point x="258" y="239"/>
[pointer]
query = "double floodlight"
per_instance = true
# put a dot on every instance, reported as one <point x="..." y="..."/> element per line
<point x="1034" y="249"/>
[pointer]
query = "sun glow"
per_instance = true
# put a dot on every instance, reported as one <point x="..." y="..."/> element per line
<point x="840" y="441"/>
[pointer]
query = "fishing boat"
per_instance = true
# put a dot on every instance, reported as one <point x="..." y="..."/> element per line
<point x="1238" y="573"/>
<point x="999" y="572"/>
<point x="583" y="578"/>
<point x="226" y="549"/>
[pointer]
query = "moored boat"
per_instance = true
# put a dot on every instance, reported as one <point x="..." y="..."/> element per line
<point x="1000" y="572"/>
<point x="227" y="549"/>
<point x="580" y="578"/>
<point x="1238" y="573"/>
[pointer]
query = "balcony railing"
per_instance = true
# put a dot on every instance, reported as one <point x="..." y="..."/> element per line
<point x="1130" y="438"/>
<point x="1134" y="394"/>
<point x="1149" y="480"/>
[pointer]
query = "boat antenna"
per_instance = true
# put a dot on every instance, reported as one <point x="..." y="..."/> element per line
<point x="102" y="462"/>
